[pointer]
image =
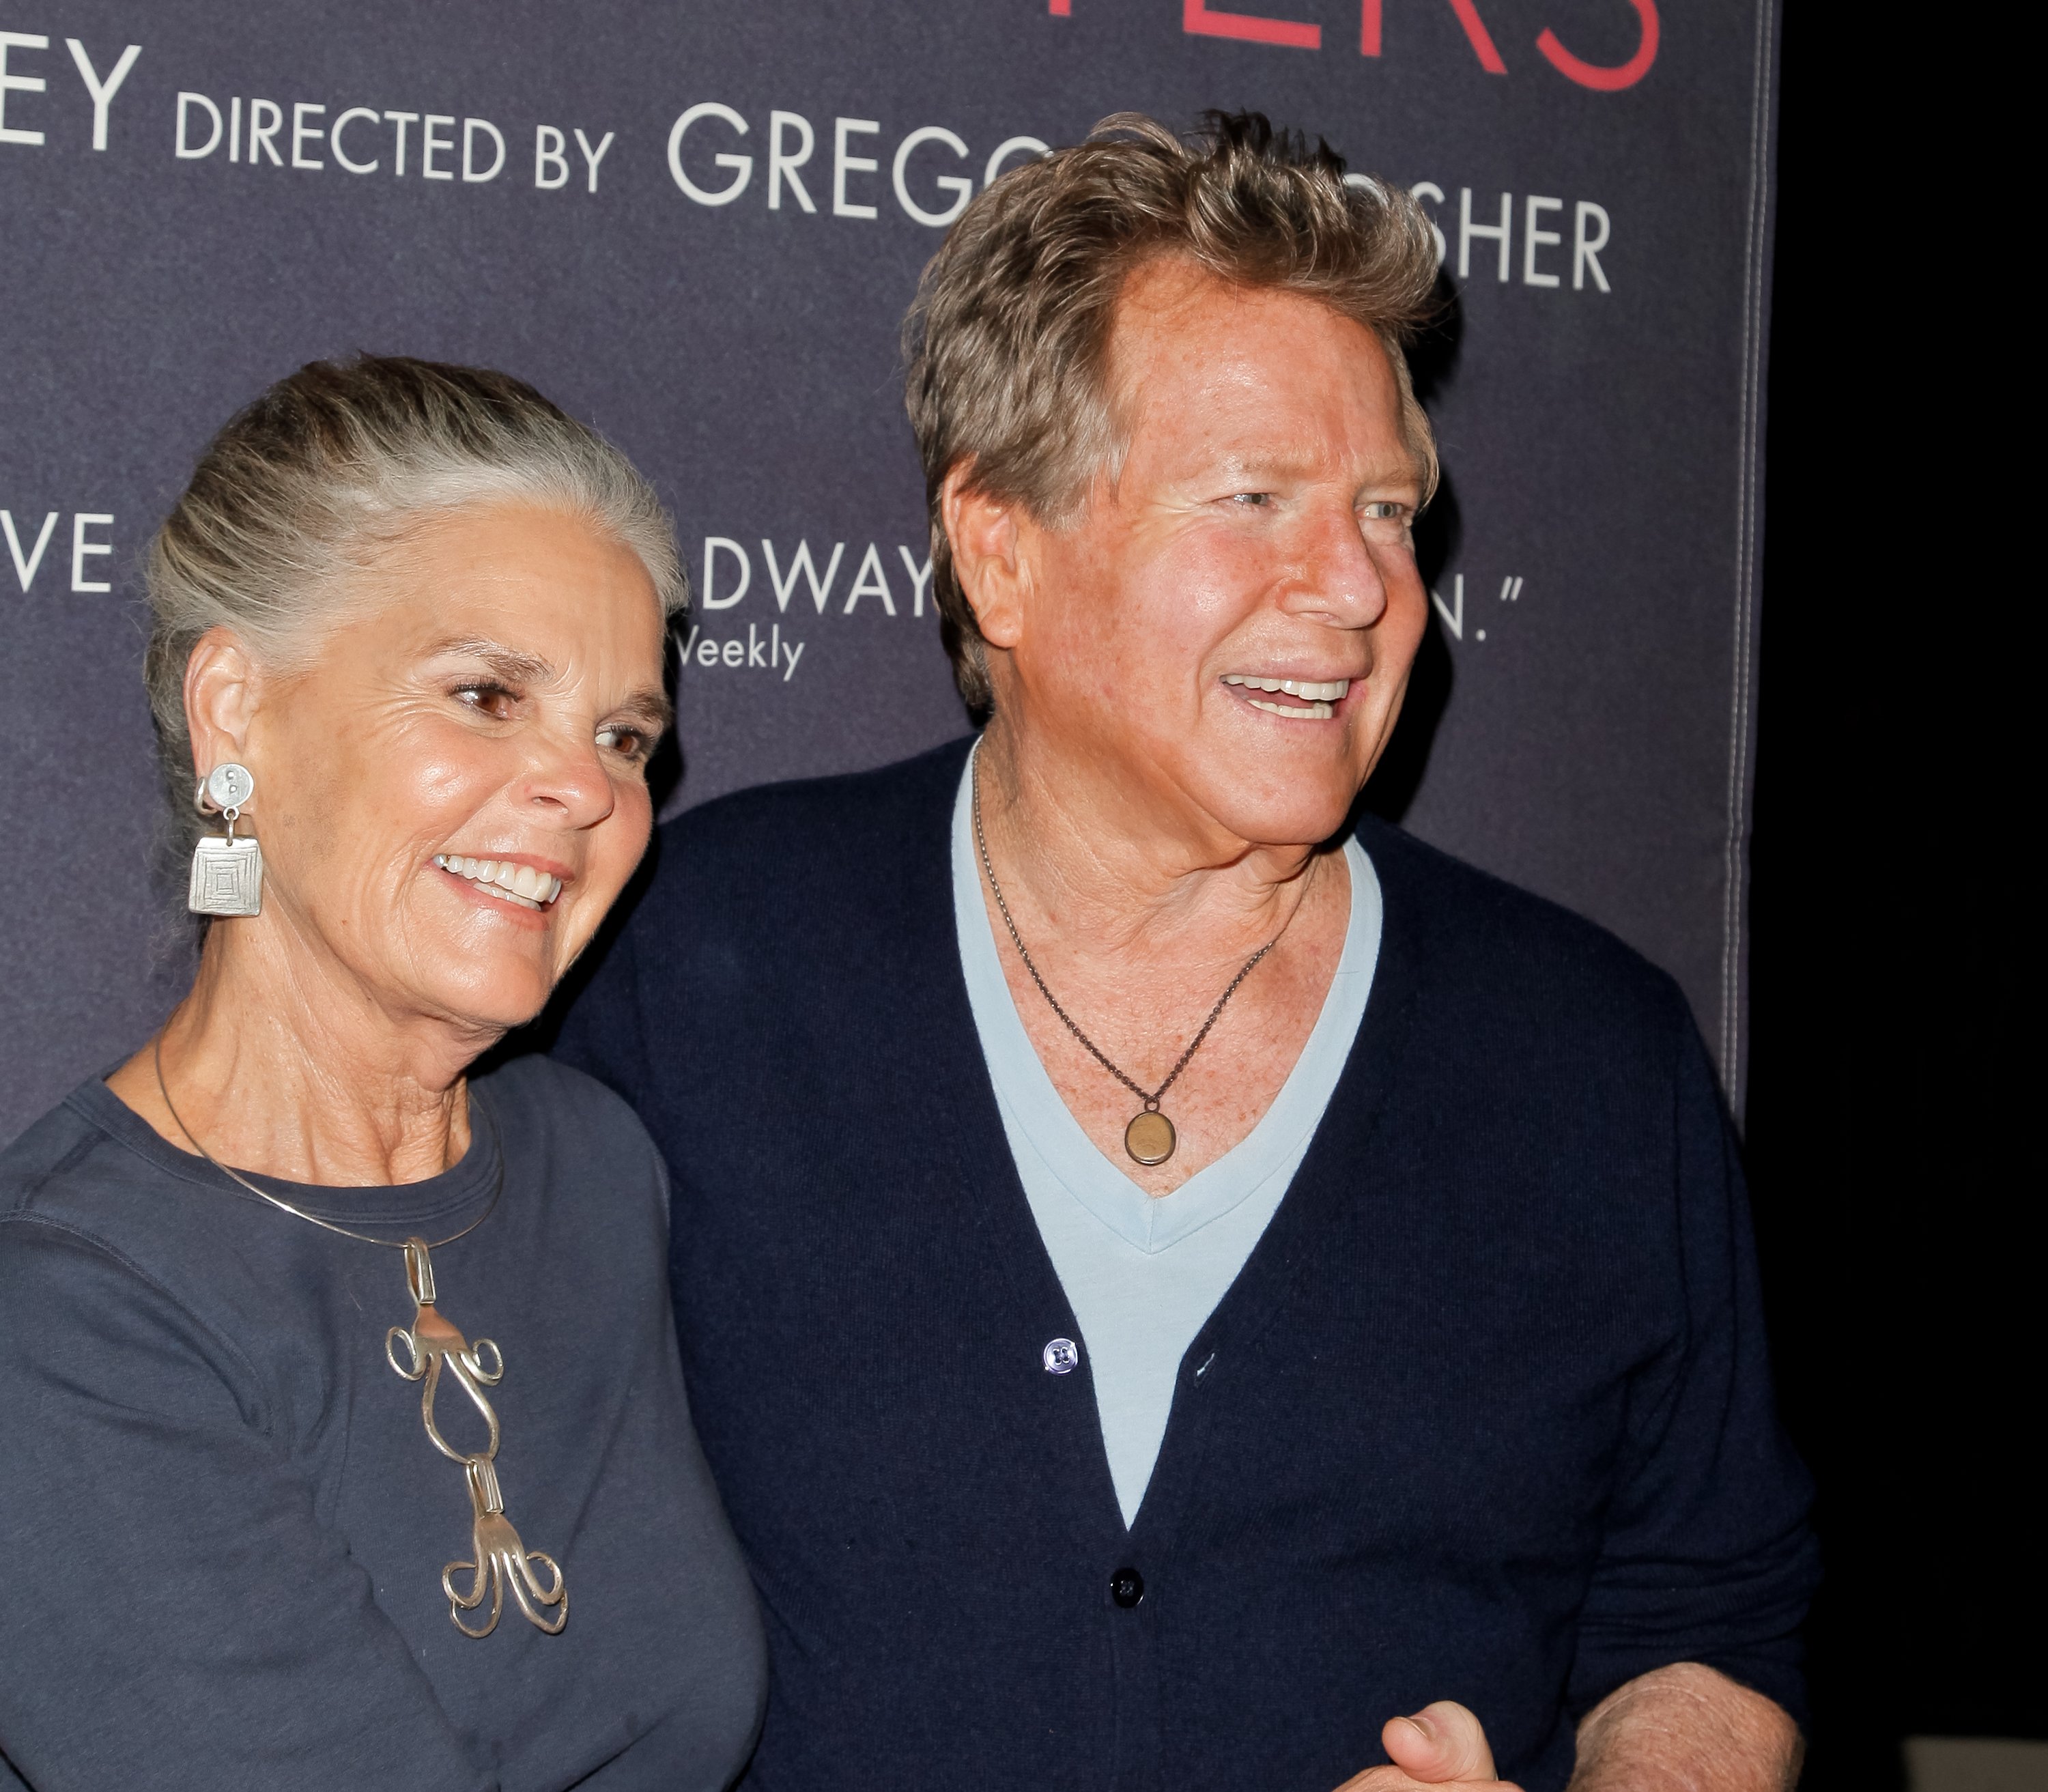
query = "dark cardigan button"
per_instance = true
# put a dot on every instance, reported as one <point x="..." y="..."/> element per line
<point x="1127" y="1587"/>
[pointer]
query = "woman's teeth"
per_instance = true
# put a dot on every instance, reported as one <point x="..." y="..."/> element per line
<point x="1315" y="696"/>
<point x="518" y="884"/>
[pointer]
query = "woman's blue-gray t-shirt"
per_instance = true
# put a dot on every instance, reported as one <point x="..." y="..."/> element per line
<point x="223" y="1525"/>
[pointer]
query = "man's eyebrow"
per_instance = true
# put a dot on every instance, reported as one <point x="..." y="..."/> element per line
<point x="1266" y="459"/>
<point x="1284" y="463"/>
<point x="653" y="707"/>
<point x="1393" y="472"/>
<point x="508" y="662"/>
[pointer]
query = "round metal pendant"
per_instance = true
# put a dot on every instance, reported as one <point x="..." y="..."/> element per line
<point x="1149" y="1138"/>
<point x="229" y="786"/>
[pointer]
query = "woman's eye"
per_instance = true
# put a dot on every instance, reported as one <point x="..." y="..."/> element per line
<point x="494" y="700"/>
<point x="1252" y="500"/>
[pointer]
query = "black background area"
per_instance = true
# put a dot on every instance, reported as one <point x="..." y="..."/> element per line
<point x="1893" y="1141"/>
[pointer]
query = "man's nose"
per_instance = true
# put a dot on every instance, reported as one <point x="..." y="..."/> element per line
<point x="1338" y="577"/>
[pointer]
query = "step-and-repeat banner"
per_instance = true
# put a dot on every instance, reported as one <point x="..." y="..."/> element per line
<point x="697" y="224"/>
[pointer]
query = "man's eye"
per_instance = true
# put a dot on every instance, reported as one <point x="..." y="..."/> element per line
<point x="494" y="700"/>
<point x="1382" y="510"/>
<point x="631" y="742"/>
<point x="1252" y="500"/>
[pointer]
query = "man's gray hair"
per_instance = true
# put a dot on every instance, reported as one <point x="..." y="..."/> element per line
<point x="1008" y="341"/>
<point x="305" y="488"/>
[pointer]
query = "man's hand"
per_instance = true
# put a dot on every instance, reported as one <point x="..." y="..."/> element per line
<point x="1683" y="1728"/>
<point x="1679" y="1729"/>
<point x="1442" y="1745"/>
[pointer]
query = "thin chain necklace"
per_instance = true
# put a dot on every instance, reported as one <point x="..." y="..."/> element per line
<point x="431" y="1343"/>
<point x="314" y="1219"/>
<point x="1150" y="1138"/>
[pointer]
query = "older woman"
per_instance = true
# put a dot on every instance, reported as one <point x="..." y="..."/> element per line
<point x="1170" y="1281"/>
<point x="346" y="1445"/>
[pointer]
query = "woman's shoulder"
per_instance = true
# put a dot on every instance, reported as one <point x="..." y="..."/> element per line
<point x="94" y="1251"/>
<point x="54" y="1172"/>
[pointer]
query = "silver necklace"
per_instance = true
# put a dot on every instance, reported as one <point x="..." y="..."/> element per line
<point x="1150" y="1138"/>
<point x="431" y="1344"/>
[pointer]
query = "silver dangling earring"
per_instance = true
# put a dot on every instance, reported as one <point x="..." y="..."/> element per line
<point x="226" y="874"/>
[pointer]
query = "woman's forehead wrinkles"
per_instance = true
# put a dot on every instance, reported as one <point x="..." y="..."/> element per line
<point x="507" y="662"/>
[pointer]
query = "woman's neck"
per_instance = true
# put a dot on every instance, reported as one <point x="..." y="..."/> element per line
<point x="280" y="1063"/>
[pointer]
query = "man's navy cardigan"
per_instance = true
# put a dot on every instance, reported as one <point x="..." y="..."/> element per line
<point x="1485" y="1416"/>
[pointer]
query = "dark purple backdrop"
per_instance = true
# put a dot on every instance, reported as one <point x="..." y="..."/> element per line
<point x="1585" y="706"/>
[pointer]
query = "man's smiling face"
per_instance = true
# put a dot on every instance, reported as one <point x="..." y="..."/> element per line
<point x="1231" y="618"/>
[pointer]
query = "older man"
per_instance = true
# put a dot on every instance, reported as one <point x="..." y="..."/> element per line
<point x="1168" y="1284"/>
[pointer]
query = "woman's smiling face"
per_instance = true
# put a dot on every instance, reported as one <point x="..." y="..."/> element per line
<point x="454" y="792"/>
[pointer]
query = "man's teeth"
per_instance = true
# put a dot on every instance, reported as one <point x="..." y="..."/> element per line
<point x="1309" y="689"/>
<point x="1315" y="696"/>
<point x="520" y="884"/>
<point x="1294" y="711"/>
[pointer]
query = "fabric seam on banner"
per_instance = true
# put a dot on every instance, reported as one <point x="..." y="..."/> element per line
<point x="1746" y="593"/>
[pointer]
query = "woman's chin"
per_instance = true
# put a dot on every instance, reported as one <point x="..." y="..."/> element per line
<point x="493" y="970"/>
<point x="505" y="998"/>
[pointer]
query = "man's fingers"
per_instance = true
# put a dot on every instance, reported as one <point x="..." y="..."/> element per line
<point x="1393" y="1779"/>
<point x="1442" y="1747"/>
<point x="1441" y="1742"/>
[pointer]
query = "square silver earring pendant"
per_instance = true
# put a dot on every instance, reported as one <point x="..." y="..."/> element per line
<point x="228" y="873"/>
<point x="227" y="878"/>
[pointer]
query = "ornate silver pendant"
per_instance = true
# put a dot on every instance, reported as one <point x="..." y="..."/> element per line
<point x="226" y="877"/>
<point x="503" y="1564"/>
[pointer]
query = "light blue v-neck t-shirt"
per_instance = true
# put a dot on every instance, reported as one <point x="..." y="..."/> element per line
<point x="1143" y="1273"/>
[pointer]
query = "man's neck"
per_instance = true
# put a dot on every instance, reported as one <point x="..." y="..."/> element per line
<point x="1120" y="872"/>
<point x="280" y="1062"/>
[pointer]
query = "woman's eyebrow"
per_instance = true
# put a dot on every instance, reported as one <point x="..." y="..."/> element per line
<point x="651" y="706"/>
<point x="508" y="663"/>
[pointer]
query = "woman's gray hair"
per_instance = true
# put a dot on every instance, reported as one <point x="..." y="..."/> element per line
<point x="307" y="486"/>
<point x="1008" y="342"/>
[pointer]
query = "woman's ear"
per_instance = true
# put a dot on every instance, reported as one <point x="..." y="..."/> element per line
<point x="990" y="557"/>
<point x="221" y="685"/>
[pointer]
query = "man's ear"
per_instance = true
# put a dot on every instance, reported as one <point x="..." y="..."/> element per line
<point x="990" y="557"/>
<point x="221" y="690"/>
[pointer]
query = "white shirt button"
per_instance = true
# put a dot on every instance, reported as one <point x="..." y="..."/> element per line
<point x="1062" y="1355"/>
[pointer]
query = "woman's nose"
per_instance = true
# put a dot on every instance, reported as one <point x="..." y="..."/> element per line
<point x="572" y="784"/>
<point x="1338" y="578"/>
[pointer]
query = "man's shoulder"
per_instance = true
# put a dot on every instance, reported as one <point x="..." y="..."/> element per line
<point x="849" y="807"/>
<point x="840" y="840"/>
<point x="769" y="916"/>
<point x="1520" y="949"/>
<point x="541" y="1104"/>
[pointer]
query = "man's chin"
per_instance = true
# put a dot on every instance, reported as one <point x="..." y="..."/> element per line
<point x="1297" y="791"/>
<point x="1297" y="819"/>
